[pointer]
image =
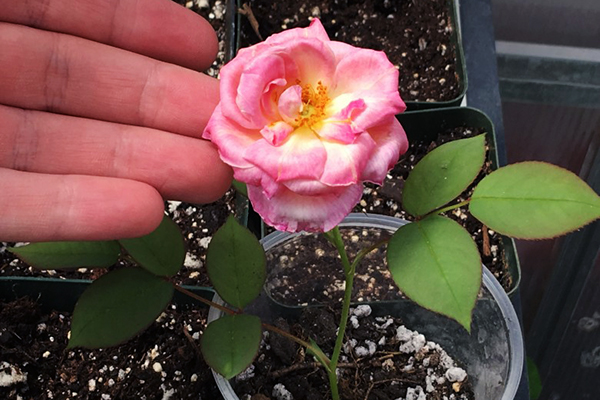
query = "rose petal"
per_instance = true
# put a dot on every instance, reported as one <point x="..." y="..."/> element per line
<point x="340" y="126"/>
<point x="302" y="156"/>
<point x="288" y="211"/>
<point x="391" y="143"/>
<point x="367" y="75"/>
<point x="230" y="138"/>
<point x="315" y="31"/>
<point x="259" y="80"/>
<point x="276" y="133"/>
<point x="345" y="162"/>
<point x="290" y="103"/>
<point x="315" y="61"/>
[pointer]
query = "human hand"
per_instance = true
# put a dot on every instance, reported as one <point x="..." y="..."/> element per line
<point x="100" y="117"/>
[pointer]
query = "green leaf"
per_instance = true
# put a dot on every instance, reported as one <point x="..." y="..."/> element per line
<point x="236" y="264"/>
<point x="240" y="187"/>
<point x="117" y="306"/>
<point x="63" y="255"/>
<point x="443" y="174"/>
<point x="436" y="264"/>
<point x="230" y="343"/>
<point x="161" y="252"/>
<point x="534" y="200"/>
<point x="535" y="381"/>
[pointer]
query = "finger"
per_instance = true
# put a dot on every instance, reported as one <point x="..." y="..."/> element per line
<point x="68" y="75"/>
<point x="179" y="167"/>
<point x="38" y="207"/>
<point x="157" y="28"/>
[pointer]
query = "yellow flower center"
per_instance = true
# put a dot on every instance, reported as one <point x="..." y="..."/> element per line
<point x="314" y="101"/>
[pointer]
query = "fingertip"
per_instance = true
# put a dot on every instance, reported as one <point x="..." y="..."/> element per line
<point x="142" y="212"/>
<point x="206" y="45"/>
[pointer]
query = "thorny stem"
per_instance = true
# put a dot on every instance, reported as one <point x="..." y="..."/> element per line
<point x="205" y="301"/>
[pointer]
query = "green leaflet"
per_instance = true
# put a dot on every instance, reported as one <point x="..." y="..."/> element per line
<point x="117" y="306"/>
<point x="443" y="174"/>
<point x="436" y="264"/>
<point x="230" y="343"/>
<point x="534" y="200"/>
<point x="64" y="255"/>
<point x="236" y="264"/>
<point x="161" y="252"/>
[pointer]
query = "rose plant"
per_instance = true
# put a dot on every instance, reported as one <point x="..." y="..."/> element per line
<point x="304" y="121"/>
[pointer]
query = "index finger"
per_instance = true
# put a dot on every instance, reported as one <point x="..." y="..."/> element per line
<point x="160" y="29"/>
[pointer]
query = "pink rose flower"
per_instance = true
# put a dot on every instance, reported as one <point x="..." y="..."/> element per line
<point x="304" y="121"/>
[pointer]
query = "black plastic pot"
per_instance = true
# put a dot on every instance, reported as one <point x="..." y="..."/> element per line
<point x="456" y="40"/>
<point x="62" y="294"/>
<point x="425" y="125"/>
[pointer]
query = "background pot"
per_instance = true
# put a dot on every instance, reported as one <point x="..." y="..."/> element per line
<point x="268" y="25"/>
<point x="62" y="294"/>
<point x="492" y="354"/>
<point x="427" y="124"/>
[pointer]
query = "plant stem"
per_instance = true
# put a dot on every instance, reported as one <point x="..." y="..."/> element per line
<point x="205" y="301"/>
<point x="335" y="237"/>
<point x="349" y="270"/>
<point x="449" y="208"/>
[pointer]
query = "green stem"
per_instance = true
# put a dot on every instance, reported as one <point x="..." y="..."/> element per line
<point x="449" y="208"/>
<point x="349" y="269"/>
<point x="335" y="237"/>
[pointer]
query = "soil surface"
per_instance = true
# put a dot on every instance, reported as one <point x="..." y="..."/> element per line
<point x="161" y="363"/>
<point x="381" y="359"/>
<point x="415" y="35"/>
<point x="215" y="12"/>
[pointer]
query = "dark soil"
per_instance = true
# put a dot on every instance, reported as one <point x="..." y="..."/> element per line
<point x="163" y="359"/>
<point x="415" y="35"/>
<point x="308" y="270"/>
<point x="319" y="278"/>
<point x="377" y="363"/>
<point x="214" y="11"/>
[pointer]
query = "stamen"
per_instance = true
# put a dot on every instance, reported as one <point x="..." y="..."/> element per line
<point x="314" y="102"/>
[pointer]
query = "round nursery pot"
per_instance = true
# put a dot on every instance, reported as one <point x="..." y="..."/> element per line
<point x="492" y="354"/>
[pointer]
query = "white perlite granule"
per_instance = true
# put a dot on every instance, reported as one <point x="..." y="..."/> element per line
<point x="281" y="393"/>
<point x="456" y="374"/>
<point x="362" y="311"/>
<point x="415" y="394"/>
<point x="412" y="341"/>
<point x="11" y="374"/>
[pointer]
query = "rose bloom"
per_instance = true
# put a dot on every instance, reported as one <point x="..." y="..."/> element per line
<point x="304" y="121"/>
